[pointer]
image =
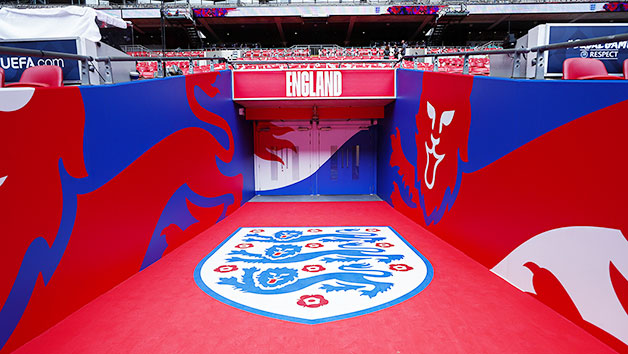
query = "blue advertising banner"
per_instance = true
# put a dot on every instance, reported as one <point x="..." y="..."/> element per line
<point x="611" y="54"/>
<point x="14" y="65"/>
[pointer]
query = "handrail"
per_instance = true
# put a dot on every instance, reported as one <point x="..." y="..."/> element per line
<point x="539" y="74"/>
<point x="160" y="58"/>
<point x="235" y="63"/>
<point x="517" y="52"/>
<point x="582" y="42"/>
<point x="312" y="61"/>
<point x="43" y="53"/>
<point x="151" y="4"/>
<point x="542" y="48"/>
<point x="86" y="59"/>
<point x="277" y="3"/>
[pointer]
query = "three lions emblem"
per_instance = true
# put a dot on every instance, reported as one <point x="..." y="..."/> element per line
<point x="313" y="275"/>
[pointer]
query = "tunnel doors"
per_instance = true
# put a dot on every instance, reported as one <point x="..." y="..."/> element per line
<point x="303" y="157"/>
<point x="347" y="166"/>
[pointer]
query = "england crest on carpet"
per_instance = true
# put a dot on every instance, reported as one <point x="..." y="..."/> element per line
<point x="313" y="274"/>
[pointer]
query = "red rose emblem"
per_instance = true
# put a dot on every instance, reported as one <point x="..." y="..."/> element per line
<point x="373" y="230"/>
<point x="312" y="301"/>
<point x="314" y="245"/>
<point x="313" y="268"/>
<point x="226" y="268"/>
<point x="384" y="244"/>
<point x="244" y="245"/>
<point x="314" y="230"/>
<point x="400" y="267"/>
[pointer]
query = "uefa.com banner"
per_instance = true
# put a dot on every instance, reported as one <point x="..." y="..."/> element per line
<point x="311" y="84"/>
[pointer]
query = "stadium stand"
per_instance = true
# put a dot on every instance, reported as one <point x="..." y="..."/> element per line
<point x="478" y="65"/>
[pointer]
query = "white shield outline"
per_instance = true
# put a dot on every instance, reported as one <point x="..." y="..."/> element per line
<point x="231" y="302"/>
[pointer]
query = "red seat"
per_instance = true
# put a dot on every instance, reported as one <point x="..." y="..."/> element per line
<point x="626" y="69"/>
<point x="40" y="76"/>
<point x="585" y="69"/>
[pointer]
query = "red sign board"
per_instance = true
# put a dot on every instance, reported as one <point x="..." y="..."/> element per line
<point x="313" y="84"/>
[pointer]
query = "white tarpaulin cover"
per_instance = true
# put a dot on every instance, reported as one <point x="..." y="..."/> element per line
<point x="71" y="21"/>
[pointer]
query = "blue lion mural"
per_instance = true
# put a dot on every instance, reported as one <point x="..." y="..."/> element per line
<point x="290" y="253"/>
<point x="286" y="280"/>
<point x="341" y="235"/>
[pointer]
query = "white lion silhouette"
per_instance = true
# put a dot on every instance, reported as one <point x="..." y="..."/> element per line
<point x="579" y="257"/>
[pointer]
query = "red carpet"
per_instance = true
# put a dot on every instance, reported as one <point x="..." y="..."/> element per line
<point x="465" y="309"/>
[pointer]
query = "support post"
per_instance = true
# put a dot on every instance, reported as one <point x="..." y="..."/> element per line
<point x="516" y="66"/>
<point x="163" y="29"/>
<point x="85" y="80"/>
<point x="540" y="65"/>
<point x="108" y="72"/>
<point x="161" y="69"/>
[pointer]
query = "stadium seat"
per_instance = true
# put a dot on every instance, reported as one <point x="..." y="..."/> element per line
<point x="585" y="69"/>
<point x="626" y="69"/>
<point x="40" y="76"/>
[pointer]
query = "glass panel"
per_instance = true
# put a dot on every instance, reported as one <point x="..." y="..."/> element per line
<point x="295" y="164"/>
<point x="333" y="163"/>
<point x="355" y="172"/>
<point x="274" y="166"/>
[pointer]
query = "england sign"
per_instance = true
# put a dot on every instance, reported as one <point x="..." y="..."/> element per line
<point x="314" y="84"/>
<point x="313" y="274"/>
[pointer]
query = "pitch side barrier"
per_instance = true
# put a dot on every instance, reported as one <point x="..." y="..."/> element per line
<point x="518" y="54"/>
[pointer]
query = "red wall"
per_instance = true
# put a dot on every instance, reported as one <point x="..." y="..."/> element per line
<point x="100" y="182"/>
<point x="526" y="177"/>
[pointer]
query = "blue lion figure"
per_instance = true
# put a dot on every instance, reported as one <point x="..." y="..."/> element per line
<point x="283" y="280"/>
<point x="281" y="251"/>
<point x="290" y="253"/>
<point x="287" y="235"/>
<point x="341" y="235"/>
<point x="275" y="278"/>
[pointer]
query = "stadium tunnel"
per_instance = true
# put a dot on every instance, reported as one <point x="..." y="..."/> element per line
<point x="113" y="195"/>
<point x="315" y="210"/>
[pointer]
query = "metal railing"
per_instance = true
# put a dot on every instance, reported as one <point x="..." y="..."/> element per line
<point x="49" y="54"/>
<point x="161" y="60"/>
<point x="87" y="62"/>
<point x="128" y="4"/>
<point x="235" y="63"/>
<point x="518" y="54"/>
<point x="135" y="48"/>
